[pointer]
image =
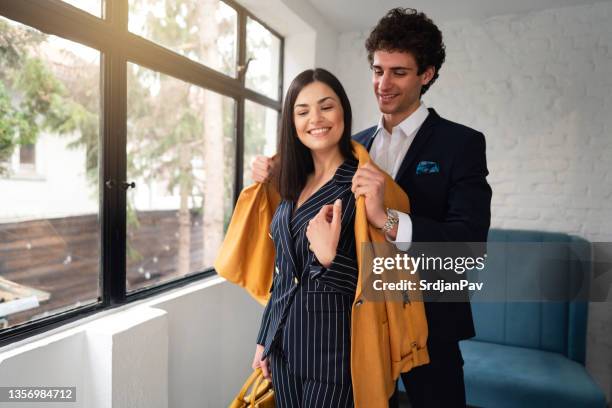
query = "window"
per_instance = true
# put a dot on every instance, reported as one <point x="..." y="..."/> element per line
<point x="205" y="31"/>
<point x="263" y="52"/>
<point x="93" y="7"/>
<point x="49" y="244"/>
<point x="259" y="134"/>
<point x="140" y="147"/>
<point x="181" y="156"/>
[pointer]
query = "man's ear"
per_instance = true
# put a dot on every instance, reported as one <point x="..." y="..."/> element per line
<point x="428" y="75"/>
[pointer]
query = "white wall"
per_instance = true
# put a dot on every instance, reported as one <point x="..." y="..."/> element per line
<point x="539" y="86"/>
<point x="47" y="364"/>
<point x="190" y="348"/>
<point x="212" y="332"/>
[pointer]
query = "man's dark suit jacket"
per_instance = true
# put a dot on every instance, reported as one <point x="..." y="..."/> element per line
<point x="449" y="205"/>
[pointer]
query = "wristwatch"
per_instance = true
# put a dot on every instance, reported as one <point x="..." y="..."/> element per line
<point x="392" y="220"/>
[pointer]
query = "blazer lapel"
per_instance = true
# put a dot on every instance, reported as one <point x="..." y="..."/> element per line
<point x="417" y="144"/>
<point x="284" y="232"/>
<point x="366" y="137"/>
<point x="370" y="140"/>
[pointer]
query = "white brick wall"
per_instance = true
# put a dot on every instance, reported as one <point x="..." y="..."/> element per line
<point x="539" y="86"/>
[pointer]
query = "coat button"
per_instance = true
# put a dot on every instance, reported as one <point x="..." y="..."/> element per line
<point x="270" y="235"/>
<point x="295" y="280"/>
<point x="359" y="302"/>
<point x="276" y="269"/>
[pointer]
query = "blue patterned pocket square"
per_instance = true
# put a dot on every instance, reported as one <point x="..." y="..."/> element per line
<point x="427" y="167"/>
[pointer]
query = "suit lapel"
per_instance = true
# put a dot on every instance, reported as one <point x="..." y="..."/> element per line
<point x="286" y="240"/>
<point x="370" y="140"/>
<point x="366" y="137"/>
<point x="419" y="141"/>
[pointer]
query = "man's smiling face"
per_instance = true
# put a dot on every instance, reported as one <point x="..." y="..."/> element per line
<point x="397" y="84"/>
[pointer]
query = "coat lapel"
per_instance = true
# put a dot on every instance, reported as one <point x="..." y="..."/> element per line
<point x="366" y="137"/>
<point x="417" y="144"/>
<point x="284" y="232"/>
<point x="370" y="140"/>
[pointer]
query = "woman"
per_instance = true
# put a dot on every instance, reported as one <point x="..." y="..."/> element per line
<point x="304" y="340"/>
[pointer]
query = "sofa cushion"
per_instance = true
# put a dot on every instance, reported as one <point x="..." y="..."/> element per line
<point x="498" y="375"/>
<point x="519" y="262"/>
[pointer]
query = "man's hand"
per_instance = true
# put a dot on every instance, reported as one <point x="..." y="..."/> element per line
<point x="263" y="169"/>
<point x="370" y="182"/>
<point x="263" y="364"/>
<point x="324" y="234"/>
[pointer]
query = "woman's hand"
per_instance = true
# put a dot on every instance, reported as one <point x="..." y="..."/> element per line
<point x="263" y="364"/>
<point x="323" y="232"/>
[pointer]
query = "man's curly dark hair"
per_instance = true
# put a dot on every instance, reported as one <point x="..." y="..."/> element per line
<point x="406" y="30"/>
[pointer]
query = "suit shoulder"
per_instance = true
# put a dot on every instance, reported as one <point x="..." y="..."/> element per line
<point x="455" y="127"/>
<point x="460" y="133"/>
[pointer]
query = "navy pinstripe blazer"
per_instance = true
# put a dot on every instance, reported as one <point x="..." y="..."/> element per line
<point x="308" y="315"/>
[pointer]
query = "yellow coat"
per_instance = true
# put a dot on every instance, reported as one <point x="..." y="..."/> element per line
<point x="387" y="337"/>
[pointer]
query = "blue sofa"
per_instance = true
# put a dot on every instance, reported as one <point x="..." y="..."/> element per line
<point x="530" y="354"/>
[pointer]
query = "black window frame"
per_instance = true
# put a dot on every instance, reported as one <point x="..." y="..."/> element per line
<point x="118" y="47"/>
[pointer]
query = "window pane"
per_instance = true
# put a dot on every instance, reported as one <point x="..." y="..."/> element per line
<point x="259" y="135"/>
<point x="203" y="30"/>
<point x="181" y="147"/>
<point x="91" y="6"/>
<point x="263" y="48"/>
<point x="49" y="215"/>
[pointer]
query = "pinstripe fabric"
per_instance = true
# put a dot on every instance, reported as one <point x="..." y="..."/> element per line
<point x="291" y="391"/>
<point x="308" y="316"/>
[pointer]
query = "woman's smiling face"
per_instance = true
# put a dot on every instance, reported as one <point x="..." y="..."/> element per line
<point x="318" y="117"/>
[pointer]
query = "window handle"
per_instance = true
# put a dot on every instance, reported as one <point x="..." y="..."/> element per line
<point x="242" y="69"/>
<point x="127" y="185"/>
<point x="111" y="183"/>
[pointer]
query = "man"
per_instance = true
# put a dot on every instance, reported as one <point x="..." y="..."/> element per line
<point x="442" y="167"/>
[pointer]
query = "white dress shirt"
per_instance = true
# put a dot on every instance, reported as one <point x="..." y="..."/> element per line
<point x="388" y="152"/>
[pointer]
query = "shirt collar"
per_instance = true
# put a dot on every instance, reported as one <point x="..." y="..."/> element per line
<point x="410" y="124"/>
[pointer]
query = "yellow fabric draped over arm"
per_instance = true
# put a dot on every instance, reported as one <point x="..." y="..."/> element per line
<point x="387" y="337"/>
<point x="246" y="257"/>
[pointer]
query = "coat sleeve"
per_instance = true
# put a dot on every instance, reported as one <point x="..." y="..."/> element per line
<point x="340" y="275"/>
<point x="265" y="323"/>
<point x="469" y="200"/>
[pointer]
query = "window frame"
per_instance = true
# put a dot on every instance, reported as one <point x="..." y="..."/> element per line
<point x="117" y="46"/>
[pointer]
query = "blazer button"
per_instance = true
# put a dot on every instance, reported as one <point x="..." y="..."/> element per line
<point x="359" y="302"/>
